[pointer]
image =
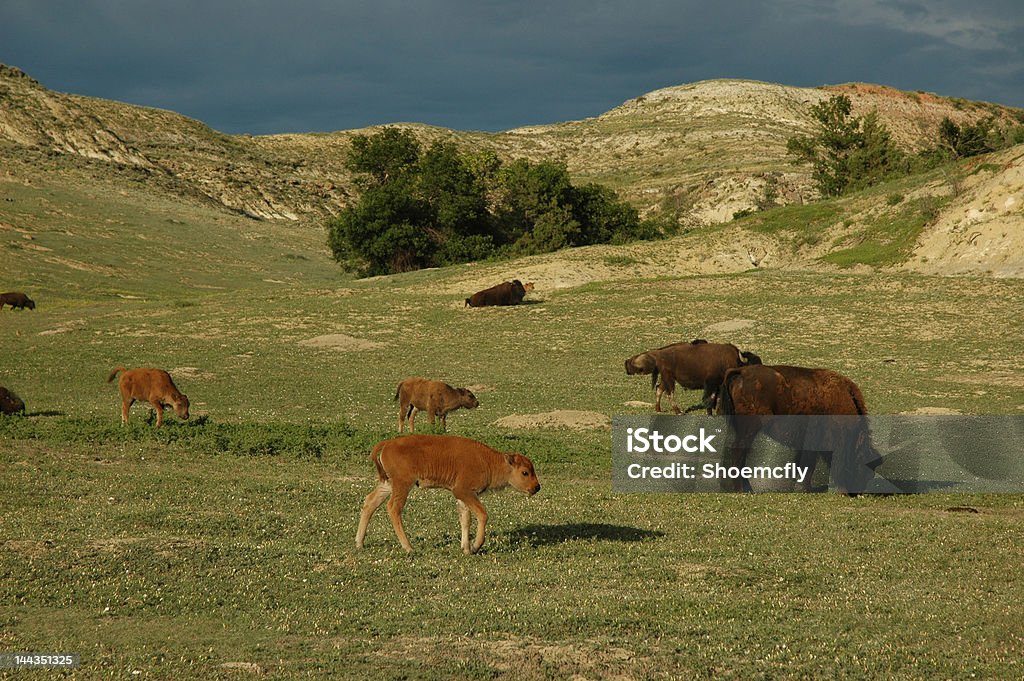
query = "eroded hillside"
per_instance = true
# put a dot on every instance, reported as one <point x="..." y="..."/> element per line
<point x="703" y="150"/>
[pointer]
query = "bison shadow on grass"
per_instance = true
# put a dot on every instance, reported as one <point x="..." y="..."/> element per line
<point x="543" y="535"/>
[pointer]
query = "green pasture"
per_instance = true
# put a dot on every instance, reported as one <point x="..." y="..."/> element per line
<point x="222" y="547"/>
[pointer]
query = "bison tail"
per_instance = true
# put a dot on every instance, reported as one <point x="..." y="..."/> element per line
<point x="725" y="403"/>
<point x="858" y="399"/>
<point x="113" y="373"/>
<point x="375" y="458"/>
<point x="398" y="390"/>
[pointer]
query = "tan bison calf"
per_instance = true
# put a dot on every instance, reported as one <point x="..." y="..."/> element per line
<point x="149" y="385"/>
<point x="437" y="398"/>
<point x="466" y="467"/>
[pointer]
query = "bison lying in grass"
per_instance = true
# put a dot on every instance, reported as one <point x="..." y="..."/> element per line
<point x="10" y="403"/>
<point x="466" y="467"/>
<point x="694" y="365"/>
<point x="505" y="293"/>
<point x="149" y="385"/>
<point x="437" y="398"/>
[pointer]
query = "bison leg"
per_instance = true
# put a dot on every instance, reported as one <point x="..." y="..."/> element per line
<point x="159" y="413"/>
<point x="736" y="455"/>
<point x="399" y="495"/>
<point x="405" y="409"/>
<point x="464" y="524"/>
<point x="469" y="499"/>
<point x="373" y="501"/>
<point x="675" y="406"/>
<point x="126" y="404"/>
<point x="444" y="422"/>
<point x="657" y="399"/>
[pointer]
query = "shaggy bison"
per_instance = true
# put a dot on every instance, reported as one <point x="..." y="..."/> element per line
<point x="10" y="403"/>
<point x="753" y="395"/>
<point x="505" y="293"/>
<point x="694" y="365"/>
<point x="17" y="300"/>
<point x="437" y="398"/>
<point x="466" y="467"/>
<point x="149" y="385"/>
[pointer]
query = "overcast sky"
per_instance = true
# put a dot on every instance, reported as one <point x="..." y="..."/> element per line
<point x="319" y="65"/>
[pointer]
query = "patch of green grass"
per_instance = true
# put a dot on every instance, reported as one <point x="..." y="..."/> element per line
<point x="891" y="238"/>
<point x="803" y="223"/>
<point x="621" y="260"/>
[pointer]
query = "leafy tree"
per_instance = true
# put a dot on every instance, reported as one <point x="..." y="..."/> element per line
<point x="848" y="152"/>
<point x="966" y="141"/>
<point x="442" y="206"/>
<point x="383" y="157"/>
<point x="383" y="232"/>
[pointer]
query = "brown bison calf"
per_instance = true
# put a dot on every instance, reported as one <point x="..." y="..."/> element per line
<point x="437" y="398"/>
<point x="10" y="403"/>
<point x="466" y="467"/>
<point x="505" y="293"/>
<point x="149" y="385"/>
<point x="17" y="300"/>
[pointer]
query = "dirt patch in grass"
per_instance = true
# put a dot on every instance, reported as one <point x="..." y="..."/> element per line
<point x="28" y="547"/>
<point x="931" y="411"/>
<point x="340" y="342"/>
<point x="728" y="326"/>
<point x="562" y="418"/>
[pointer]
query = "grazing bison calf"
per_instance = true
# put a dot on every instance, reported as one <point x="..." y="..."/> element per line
<point x="505" y="293"/>
<point x="437" y="398"/>
<point x="466" y="467"/>
<point x="10" y="403"/>
<point x="694" y="365"/>
<point x="149" y="385"/>
<point x="17" y="300"/>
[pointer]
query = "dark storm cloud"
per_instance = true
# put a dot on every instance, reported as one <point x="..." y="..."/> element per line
<point x="307" y="65"/>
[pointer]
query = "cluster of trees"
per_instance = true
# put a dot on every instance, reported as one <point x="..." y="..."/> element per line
<point x="849" y="152"/>
<point x="439" y="206"/>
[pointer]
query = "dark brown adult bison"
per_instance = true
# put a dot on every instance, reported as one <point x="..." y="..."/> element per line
<point x="505" y="293"/>
<point x="149" y="385"/>
<point x="754" y="397"/>
<point x="17" y="300"/>
<point x="694" y="365"/>
<point x="437" y="398"/>
<point x="10" y="403"/>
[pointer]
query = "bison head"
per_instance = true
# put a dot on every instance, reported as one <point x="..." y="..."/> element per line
<point x="640" y="364"/>
<point x="181" y="407"/>
<point x="522" y="477"/>
<point x="468" y="399"/>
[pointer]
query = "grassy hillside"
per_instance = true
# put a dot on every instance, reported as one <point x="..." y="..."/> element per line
<point x="701" y="149"/>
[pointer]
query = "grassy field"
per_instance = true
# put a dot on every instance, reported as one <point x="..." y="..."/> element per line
<point x="223" y="546"/>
